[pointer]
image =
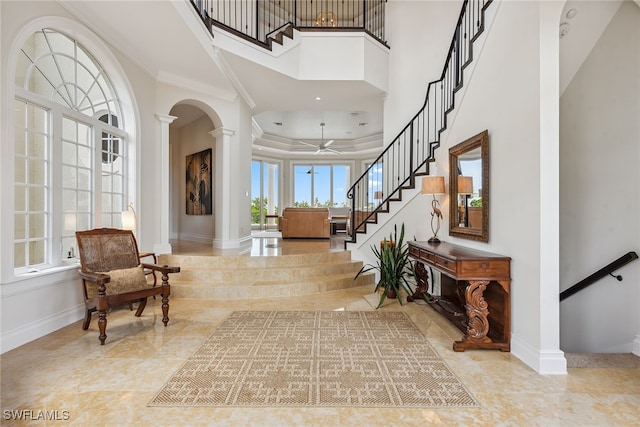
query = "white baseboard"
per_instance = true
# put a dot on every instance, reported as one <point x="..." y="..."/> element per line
<point x="199" y="238"/>
<point x="232" y="243"/>
<point x="34" y="330"/>
<point x="543" y="362"/>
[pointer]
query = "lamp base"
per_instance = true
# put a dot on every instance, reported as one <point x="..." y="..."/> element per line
<point x="434" y="239"/>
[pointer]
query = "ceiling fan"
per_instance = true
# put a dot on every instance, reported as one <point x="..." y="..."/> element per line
<point x="324" y="146"/>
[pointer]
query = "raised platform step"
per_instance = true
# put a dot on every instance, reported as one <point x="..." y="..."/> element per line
<point x="247" y="277"/>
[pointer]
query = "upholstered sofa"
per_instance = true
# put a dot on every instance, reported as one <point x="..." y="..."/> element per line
<point x="310" y="223"/>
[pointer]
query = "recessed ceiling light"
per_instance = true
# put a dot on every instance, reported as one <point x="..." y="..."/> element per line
<point x="355" y="114"/>
<point x="362" y="124"/>
<point x="571" y="13"/>
<point x="318" y="98"/>
<point x="277" y="123"/>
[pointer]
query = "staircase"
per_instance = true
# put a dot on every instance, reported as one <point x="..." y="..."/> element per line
<point x="248" y="277"/>
<point x="412" y="151"/>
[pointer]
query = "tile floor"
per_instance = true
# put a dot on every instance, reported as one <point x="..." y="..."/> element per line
<point x="69" y="375"/>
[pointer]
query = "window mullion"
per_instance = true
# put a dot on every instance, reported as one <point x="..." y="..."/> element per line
<point x="55" y="203"/>
<point x="97" y="177"/>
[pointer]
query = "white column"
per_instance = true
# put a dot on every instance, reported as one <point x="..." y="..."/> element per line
<point x="551" y="358"/>
<point x="223" y="185"/>
<point x="162" y="185"/>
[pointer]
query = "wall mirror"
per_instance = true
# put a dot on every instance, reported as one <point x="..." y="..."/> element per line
<point x="469" y="188"/>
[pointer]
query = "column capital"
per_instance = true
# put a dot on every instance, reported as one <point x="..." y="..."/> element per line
<point x="165" y="118"/>
<point x="222" y="132"/>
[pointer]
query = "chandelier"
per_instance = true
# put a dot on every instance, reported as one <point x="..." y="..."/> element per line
<point x="326" y="19"/>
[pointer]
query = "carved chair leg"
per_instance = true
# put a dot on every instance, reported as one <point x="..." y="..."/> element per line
<point x="87" y="320"/>
<point x="165" y="298"/>
<point x="165" y="309"/>
<point x="143" y="304"/>
<point x="102" y="326"/>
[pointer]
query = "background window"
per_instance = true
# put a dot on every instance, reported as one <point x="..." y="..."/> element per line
<point x="321" y="185"/>
<point x="264" y="193"/>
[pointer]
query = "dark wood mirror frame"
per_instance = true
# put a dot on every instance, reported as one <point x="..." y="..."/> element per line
<point x="456" y="228"/>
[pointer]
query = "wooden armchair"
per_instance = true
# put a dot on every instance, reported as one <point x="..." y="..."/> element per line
<point x="112" y="275"/>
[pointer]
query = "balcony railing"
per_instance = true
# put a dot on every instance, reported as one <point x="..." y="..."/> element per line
<point x="260" y="21"/>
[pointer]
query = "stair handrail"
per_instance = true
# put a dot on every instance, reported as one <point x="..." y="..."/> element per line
<point x="604" y="271"/>
<point x="414" y="147"/>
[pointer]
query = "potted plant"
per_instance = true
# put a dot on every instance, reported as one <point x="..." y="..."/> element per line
<point x="394" y="266"/>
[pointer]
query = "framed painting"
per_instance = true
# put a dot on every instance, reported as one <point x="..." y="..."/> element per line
<point x="199" y="191"/>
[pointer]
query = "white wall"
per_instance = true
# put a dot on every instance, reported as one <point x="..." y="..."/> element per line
<point x="510" y="102"/>
<point x="505" y="100"/>
<point x="600" y="190"/>
<point x="419" y="34"/>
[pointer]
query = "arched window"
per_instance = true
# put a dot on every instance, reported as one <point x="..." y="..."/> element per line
<point x="70" y="157"/>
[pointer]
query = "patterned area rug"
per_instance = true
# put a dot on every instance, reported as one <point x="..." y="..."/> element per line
<point x="324" y="358"/>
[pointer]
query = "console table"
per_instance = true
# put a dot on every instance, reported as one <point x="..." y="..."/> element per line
<point x="474" y="294"/>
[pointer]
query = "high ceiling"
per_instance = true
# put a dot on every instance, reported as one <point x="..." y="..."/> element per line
<point x="172" y="49"/>
<point x="163" y="38"/>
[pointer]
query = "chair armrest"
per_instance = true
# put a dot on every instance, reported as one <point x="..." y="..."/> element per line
<point x="99" y="278"/>
<point x="164" y="269"/>
<point x="148" y="254"/>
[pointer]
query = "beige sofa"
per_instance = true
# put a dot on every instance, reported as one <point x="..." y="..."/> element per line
<point x="310" y="223"/>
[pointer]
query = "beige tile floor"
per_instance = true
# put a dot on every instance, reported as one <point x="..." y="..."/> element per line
<point x="69" y="372"/>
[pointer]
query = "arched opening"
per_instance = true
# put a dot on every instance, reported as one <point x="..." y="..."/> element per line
<point x="192" y="173"/>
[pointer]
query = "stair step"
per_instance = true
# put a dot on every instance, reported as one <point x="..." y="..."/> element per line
<point x="244" y="261"/>
<point x="268" y="289"/>
<point x="247" y="277"/>
<point x="291" y="272"/>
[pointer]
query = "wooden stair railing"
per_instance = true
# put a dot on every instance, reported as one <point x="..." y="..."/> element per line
<point x="411" y="152"/>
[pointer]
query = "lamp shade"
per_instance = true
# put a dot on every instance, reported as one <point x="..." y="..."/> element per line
<point x="465" y="185"/>
<point x="433" y="185"/>
<point x="129" y="218"/>
<point x="377" y="195"/>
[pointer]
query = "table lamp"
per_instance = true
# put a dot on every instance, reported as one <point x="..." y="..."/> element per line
<point x="434" y="185"/>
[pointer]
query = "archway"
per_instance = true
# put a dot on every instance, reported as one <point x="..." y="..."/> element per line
<point x="192" y="153"/>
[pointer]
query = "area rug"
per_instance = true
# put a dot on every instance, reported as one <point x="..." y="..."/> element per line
<point x="315" y="359"/>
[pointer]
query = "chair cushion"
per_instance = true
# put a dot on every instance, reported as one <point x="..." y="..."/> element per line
<point x="122" y="281"/>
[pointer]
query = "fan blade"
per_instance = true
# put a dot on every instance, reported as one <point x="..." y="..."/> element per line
<point x="306" y="143"/>
<point x="317" y="152"/>
<point x="328" y="143"/>
<point x="333" y="151"/>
